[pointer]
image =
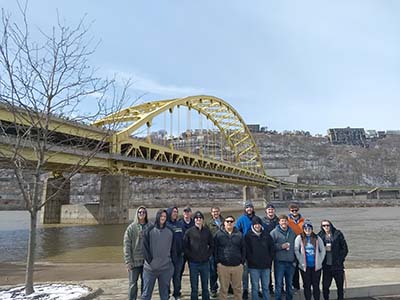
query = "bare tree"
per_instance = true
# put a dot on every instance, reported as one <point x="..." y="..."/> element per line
<point x="44" y="82"/>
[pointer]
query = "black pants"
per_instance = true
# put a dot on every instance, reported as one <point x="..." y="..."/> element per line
<point x="296" y="277"/>
<point x="327" y="275"/>
<point x="311" y="278"/>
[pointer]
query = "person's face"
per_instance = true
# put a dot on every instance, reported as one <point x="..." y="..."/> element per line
<point x="229" y="223"/>
<point x="141" y="214"/>
<point x="257" y="227"/>
<point x="270" y="212"/>
<point x="174" y="214"/>
<point x="326" y="226"/>
<point x="215" y="213"/>
<point x="163" y="218"/>
<point x="294" y="211"/>
<point x="283" y="223"/>
<point x="198" y="221"/>
<point x="187" y="214"/>
<point x="307" y="230"/>
<point x="249" y="210"/>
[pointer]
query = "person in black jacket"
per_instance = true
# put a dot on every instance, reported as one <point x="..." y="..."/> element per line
<point x="198" y="245"/>
<point x="259" y="255"/>
<point x="230" y="255"/>
<point x="333" y="265"/>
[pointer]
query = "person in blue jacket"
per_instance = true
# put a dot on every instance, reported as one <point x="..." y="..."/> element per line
<point x="243" y="224"/>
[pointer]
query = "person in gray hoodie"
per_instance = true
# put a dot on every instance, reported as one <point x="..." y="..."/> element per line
<point x="285" y="261"/>
<point x="133" y="252"/>
<point x="159" y="252"/>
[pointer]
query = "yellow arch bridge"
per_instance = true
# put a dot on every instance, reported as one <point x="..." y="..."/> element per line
<point x="233" y="158"/>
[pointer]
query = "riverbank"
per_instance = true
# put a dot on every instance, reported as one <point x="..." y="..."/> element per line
<point x="109" y="280"/>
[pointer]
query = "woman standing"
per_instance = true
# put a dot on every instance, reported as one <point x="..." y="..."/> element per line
<point x="310" y="252"/>
<point x="333" y="265"/>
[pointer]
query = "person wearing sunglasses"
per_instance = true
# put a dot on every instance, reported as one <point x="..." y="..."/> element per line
<point x="310" y="253"/>
<point x="230" y="254"/>
<point x="133" y="252"/>
<point x="333" y="265"/>
<point x="295" y="222"/>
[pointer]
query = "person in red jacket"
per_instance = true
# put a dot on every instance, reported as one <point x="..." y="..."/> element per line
<point x="295" y="222"/>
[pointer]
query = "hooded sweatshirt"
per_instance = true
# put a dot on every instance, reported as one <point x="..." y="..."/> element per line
<point x="177" y="228"/>
<point x="159" y="246"/>
<point x="133" y="241"/>
<point x="279" y="236"/>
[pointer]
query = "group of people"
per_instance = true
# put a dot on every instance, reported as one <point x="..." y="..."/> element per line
<point x="224" y="253"/>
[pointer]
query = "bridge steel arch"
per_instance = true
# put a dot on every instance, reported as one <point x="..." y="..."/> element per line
<point x="247" y="163"/>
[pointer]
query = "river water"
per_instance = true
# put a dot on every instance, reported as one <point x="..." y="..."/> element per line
<point x="372" y="234"/>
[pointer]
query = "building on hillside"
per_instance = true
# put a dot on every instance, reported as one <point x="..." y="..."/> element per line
<point x="254" y="127"/>
<point x="348" y="136"/>
<point x="392" y="132"/>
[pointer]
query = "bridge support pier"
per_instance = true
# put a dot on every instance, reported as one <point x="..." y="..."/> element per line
<point x="52" y="209"/>
<point x="267" y="195"/>
<point x="114" y="199"/>
<point x="249" y="193"/>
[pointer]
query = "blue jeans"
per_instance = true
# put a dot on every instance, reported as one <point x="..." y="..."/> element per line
<point x="213" y="274"/>
<point x="245" y="277"/>
<point x="255" y="276"/>
<point x="177" y="277"/>
<point x="149" y="280"/>
<point x="284" y="269"/>
<point x="197" y="269"/>
<point x="133" y="282"/>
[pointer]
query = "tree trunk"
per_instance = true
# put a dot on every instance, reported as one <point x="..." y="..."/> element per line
<point x="31" y="254"/>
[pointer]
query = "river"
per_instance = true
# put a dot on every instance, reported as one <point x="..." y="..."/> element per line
<point x="372" y="234"/>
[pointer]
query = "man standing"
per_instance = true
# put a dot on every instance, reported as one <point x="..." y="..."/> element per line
<point x="333" y="265"/>
<point x="159" y="254"/>
<point x="176" y="226"/>
<point x="186" y="223"/>
<point x="243" y="224"/>
<point x="214" y="224"/>
<point x="270" y="221"/>
<point x="230" y="254"/>
<point x="133" y="252"/>
<point x="259" y="253"/>
<point x="198" y="246"/>
<point x="295" y="222"/>
<point x="283" y="237"/>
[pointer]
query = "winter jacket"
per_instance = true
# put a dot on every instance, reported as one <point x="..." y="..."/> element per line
<point x="185" y="226"/>
<point x="213" y="226"/>
<point x="296" y="224"/>
<point x="279" y="236"/>
<point x="243" y="223"/>
<point x="133" y="242"/>
<point x="177" y="228"/>
<point x="198" y="244"/>
<point x="300" y="252"/>
<point x="339" y="249"/>
<point x="159" y="247"/>
<point x="230" y="249"/>
<point x="270" y="224"/>
<point x="260" y="250"/>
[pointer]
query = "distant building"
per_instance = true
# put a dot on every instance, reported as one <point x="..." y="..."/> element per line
<point x="347" y="136"/>
<point x="392" y="132"/>
<point x="254" y="127"/>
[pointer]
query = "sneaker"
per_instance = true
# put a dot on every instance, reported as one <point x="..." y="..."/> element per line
<point x="245" y="295"/>
<point x="214" y="294"/>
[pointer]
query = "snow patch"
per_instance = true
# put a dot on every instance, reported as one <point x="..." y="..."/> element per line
<point x="51" y="291"/>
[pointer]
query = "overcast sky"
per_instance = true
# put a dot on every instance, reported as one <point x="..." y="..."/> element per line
<point x="306" y="65"/>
